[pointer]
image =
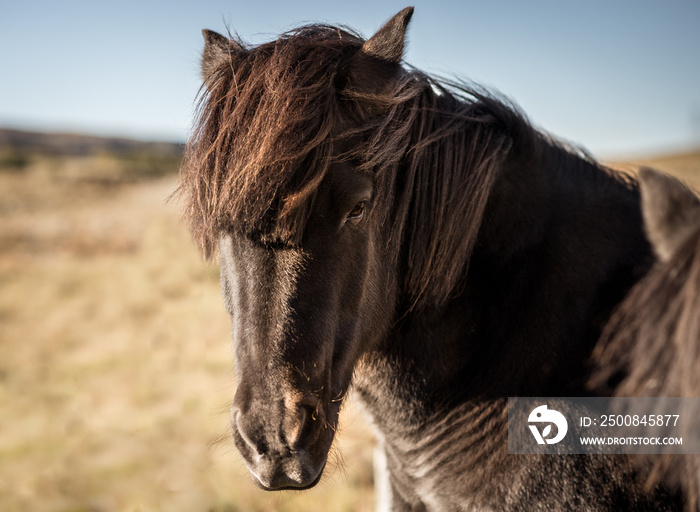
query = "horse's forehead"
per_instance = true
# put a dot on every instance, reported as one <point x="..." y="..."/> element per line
<point x="344" y="179"/>
<point x="257" y="255"/>
<point x="341" y="188"/>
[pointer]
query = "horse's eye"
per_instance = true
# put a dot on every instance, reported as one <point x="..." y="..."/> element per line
<point x="357" y="212"/>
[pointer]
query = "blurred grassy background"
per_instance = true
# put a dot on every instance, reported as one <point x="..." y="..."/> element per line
<point x="115" y="358"/>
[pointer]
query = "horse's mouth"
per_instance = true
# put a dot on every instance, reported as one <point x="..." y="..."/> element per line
<point x="292" y="486"/>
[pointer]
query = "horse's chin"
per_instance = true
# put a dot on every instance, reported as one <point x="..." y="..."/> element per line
<point x="289" y="474"/>
<point x="292" y="486"/>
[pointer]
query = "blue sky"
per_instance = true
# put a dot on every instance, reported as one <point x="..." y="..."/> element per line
<point x="620" y="77"/>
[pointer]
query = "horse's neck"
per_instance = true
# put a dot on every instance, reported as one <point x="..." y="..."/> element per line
<point x="560" y="244"/>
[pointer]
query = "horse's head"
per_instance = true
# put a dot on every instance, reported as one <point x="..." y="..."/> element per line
<point x="303" y="246"/>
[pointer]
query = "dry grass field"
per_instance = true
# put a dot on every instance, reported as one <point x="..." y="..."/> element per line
<point x="115" y="361"/>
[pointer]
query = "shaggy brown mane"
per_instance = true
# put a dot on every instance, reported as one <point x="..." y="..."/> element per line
<point x="651" y="327"/>
<point x="262" y="142"/>
<point x="272" y="120"/>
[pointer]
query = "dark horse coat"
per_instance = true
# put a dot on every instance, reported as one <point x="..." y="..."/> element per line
<point x="415" y="239"/>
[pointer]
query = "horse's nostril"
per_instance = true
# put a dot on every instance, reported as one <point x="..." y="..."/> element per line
<point x="304" y="430"/>
<point x="241" y="432"/>
<point x="296" y="437"/>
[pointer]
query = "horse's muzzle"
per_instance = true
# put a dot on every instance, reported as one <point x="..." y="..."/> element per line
<point x="282" y="448"/>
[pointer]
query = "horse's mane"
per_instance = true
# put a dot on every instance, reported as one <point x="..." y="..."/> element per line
<point x="651" y="347"/>
<point x="262" y="142"/>
<point x="653" y="336"/>
<point x="273" y="118"/>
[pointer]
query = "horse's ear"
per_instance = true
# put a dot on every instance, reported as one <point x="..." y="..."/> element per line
<point x="217" y="50"/>
<point x="388" y="43"/>
<point x="375" y="67"/>
<point x="671" y="212"/>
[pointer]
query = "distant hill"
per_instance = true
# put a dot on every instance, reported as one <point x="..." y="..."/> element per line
<point x="102" y="160"/>
<point x="72" y="144"/>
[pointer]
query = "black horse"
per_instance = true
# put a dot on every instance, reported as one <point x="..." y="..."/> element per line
<point x="651" y="346"/>
<point x="415" y="239"/>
